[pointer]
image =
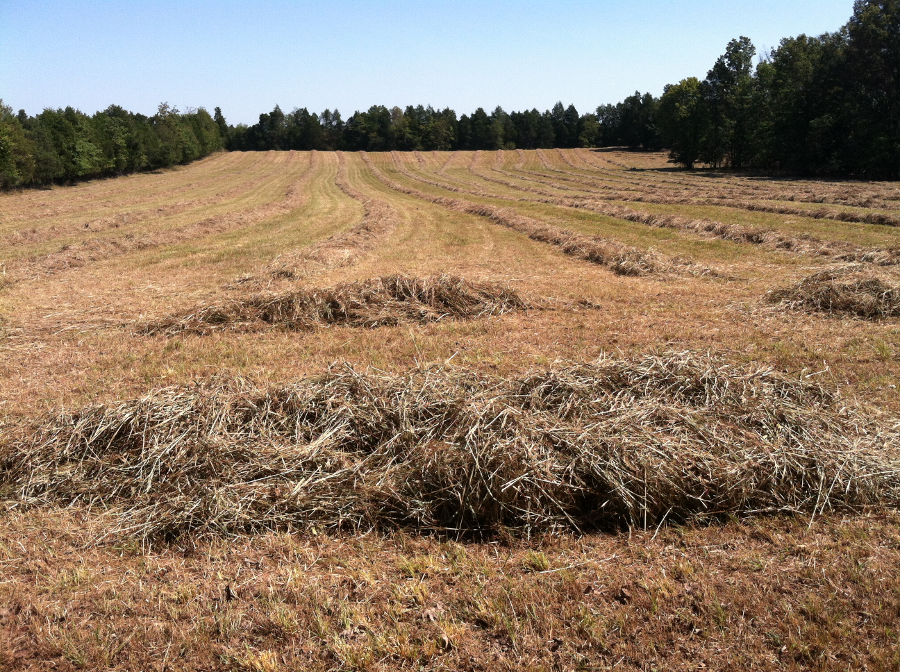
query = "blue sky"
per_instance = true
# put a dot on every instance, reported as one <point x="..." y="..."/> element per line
<point x="247" y="56"/>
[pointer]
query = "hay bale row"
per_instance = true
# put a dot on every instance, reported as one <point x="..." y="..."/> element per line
<point x="375" y="302"/>
<point x="636" y="442"/>
<point x="850" y="290"/>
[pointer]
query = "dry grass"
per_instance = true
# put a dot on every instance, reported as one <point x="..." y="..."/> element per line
<point x="128" y="232"/>
<point x="621" y="259"/>
<point x="657" y="186"/>
<point x="773" y="239"/>
<point x="378" y="432"/>
<point x="779" y="594"/>
<point x="343" y="249"/>
<point x="585" y="447"/>
<point x="853" y="289"/>
<point x="388" y="300"/>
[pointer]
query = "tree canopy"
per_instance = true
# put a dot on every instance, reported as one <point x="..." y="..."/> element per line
<point x="65" y="145"/>
<point x="827" y="105"/>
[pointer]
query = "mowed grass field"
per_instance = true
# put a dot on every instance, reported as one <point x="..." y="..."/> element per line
<point x="113" y="290"/>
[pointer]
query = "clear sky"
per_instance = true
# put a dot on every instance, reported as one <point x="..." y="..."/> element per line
<point x="247" y="56"/>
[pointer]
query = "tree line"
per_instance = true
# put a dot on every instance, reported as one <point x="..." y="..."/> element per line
<point x="422" y="128"/>
<point x="827" y="105"/>
<point x="66" y="145"/>
<point x="631" y="122"/>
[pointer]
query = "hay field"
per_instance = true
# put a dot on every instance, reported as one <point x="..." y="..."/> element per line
<point x="553" y="409"/>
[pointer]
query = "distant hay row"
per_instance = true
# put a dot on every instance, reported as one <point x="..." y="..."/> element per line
<point x="827" y="193"/>
<point x="775" y="240"/>
<point x="620" y="258"/>
<point x="400" y="165"/>
<point x="641" y="194"/>
<point x="620" y="442"/>
<point x="753" y="206"/>
<point x="95" y="248"/>
<point x="345" y="248"/>
<point x="383" y="301"/>
<point x="815" y="191"/>
<point x="769" y="238"/>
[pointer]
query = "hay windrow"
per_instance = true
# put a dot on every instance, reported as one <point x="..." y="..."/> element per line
<point x="375" y="302"/>
<point x="93" y="249"/>
<point x="620" y="258"/>
<point x="772" y="239"/>
<point x="401" y="167"/>
<point x="345" y="248"/>
<point x="853" y="289"/>
<point x="821" y="192"/>
<point x="673" y="437"/>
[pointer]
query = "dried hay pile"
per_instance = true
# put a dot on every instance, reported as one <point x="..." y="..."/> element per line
<point x="854" y="289"/>
<point x="375" y="302"/>
<point x="618" y="442"/>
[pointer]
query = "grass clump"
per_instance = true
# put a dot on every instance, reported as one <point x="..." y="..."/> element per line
<point x="375" y="302"/>
<point x="855" y="289"/>
<point x="637" y="442"/>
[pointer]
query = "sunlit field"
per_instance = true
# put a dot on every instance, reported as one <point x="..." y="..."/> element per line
<point x="550" y="410"/>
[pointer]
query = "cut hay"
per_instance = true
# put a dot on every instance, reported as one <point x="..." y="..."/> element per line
<point x="677" y="437"/>
<point x="854" y="289"/>
<point x="93" y="249"/>
<point x="375" y="302"/>
<point x="345" y="248"/>
<point x="772" y="239"/>
<point x="599" y="203"/>
<point x="619" y="258"/>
